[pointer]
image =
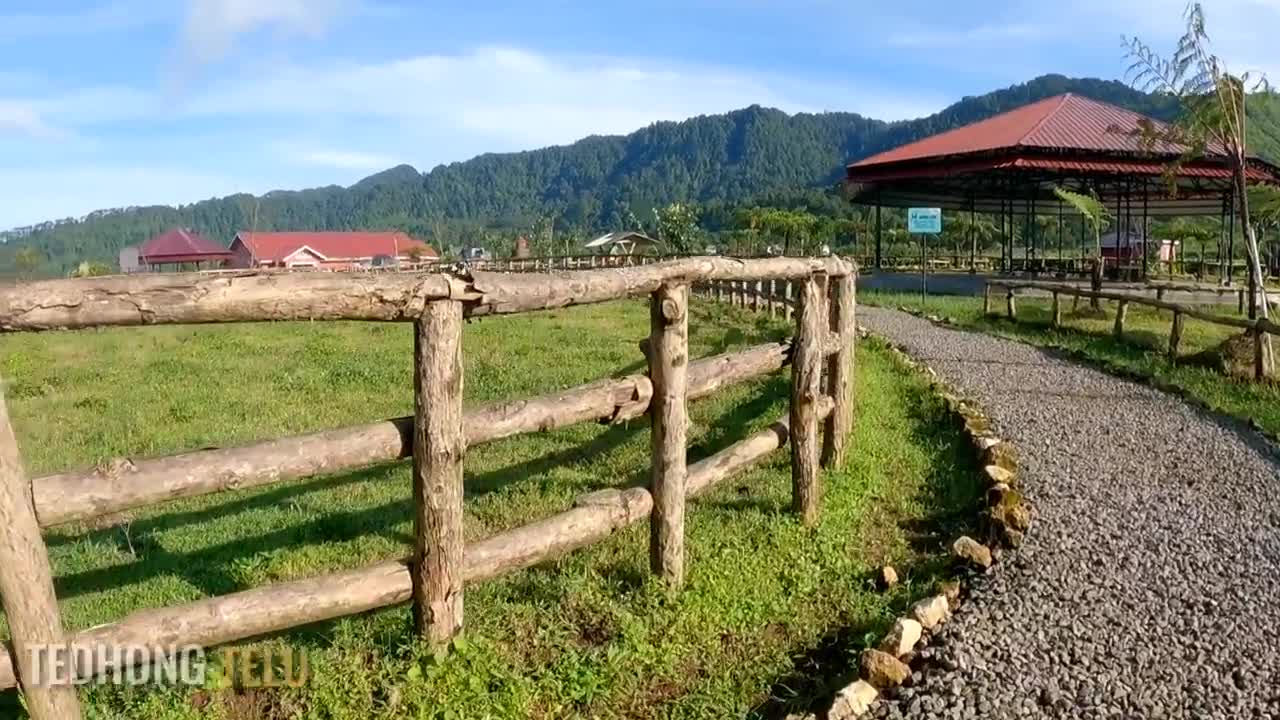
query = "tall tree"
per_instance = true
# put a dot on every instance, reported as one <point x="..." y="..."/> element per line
<point x="1214" y="116"/>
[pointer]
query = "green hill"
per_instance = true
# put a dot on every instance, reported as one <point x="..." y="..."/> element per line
<point x="589" y="185"/>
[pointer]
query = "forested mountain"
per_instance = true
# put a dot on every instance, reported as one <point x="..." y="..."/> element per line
<point x="594" y="184"/>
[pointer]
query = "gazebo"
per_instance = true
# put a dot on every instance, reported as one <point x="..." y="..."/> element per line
<point x="179" y="246"/>
<point x="1009" y="165"/>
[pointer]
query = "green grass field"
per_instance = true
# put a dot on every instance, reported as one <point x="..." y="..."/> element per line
<point x="1142" y="352"/>
<point x="772" y="613"/>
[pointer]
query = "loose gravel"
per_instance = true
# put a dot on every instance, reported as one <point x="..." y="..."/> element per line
<point x="1149" y="584"/>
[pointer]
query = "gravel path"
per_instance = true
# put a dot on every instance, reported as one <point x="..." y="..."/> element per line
<point x="1149" y="584"/>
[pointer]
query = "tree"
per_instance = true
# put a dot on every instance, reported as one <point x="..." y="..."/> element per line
<point x="677" y="227"/>
<point x="1213" y="101"/>
<point x="1095" y="213"/>
<point x="27" y="260"/>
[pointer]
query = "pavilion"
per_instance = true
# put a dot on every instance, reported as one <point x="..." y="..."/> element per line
<point x="177" y="247"/>
<point x="1008" y="166"/>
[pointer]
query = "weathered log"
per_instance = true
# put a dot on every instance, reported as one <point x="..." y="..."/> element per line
<point x="273" y="608"/>
<point x="26" y="588"/>
<point x="1122" y="309"/>
<point x="1175" y="334"/>
<point x="840" y="370"/>
<point x="746" y="452"/>
<point x="806" y="371"/>
<point x="668" y="369"/>
<point x="160" y="298"/>
<point x="252" y="296"/>
<point x="438" y="448"/>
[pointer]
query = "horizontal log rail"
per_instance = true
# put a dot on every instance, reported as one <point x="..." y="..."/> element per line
<point x="122" y="484"/>
<point x="253" y="296"/>
<point x="1266" y="325"/>
<point x="281" y="606"/>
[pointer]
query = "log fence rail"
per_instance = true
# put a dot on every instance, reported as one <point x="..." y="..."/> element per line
<point x="433" y="579"/>
<point x="1259" y="328"/>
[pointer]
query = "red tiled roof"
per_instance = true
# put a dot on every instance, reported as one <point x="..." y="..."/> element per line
<point x="1064" y="122"/>
<point x="333" y="246"/>
<point x="181" y="245"/>
<point x="1100" y="166"/>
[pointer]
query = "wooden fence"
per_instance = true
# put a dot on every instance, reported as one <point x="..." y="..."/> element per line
<point x="1259" y="328"/>
<point x="436" y="437"/>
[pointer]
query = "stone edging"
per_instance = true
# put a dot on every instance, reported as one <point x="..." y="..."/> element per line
<point x="1005" y="518"/>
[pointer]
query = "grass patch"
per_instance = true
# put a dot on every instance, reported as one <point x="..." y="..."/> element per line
<point x="772" y="613"/>
<point x="1143" y="352"/>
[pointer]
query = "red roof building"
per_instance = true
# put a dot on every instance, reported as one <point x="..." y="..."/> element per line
<point x="326" y="250"/>
<point x="181" y="246"/>
<point x="1010" y="166"/>
<point x="1067" y="139"/>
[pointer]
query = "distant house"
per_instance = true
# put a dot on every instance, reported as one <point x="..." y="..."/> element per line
<point x="621" y="243"/>
<point x="326" y="250"/>
<point x="1129" y="247"/>
<point x="176" y="247"/>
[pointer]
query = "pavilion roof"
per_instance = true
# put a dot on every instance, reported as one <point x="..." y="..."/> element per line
<point x="1066" y="140"/>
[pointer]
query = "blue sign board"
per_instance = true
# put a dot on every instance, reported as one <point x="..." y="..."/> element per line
<point x="924" y="221"/>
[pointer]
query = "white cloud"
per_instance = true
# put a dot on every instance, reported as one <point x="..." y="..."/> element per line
<point x="25" y="119"/>
<point x="212" y="25"/>
<point x="519" y="99"/>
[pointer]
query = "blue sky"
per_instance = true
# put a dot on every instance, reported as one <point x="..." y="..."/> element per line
<point x="106" y="103"/>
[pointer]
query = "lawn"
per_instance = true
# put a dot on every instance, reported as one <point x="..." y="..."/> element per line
<point x="772" y="613"/>
<point x="1142" y="352"/>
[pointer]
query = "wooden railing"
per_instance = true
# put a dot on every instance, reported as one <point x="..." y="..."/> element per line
<point x="1259" y="328"/>
<point x="436" y="437"/>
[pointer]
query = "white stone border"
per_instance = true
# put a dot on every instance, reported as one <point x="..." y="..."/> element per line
<point x="1005" y="519"/>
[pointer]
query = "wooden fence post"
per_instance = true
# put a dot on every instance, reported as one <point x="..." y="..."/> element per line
<point x="26" y="589"/>
<point x="787" y="293"/>
<point x="773" y="298"/>
<point x="986" y="299"/>
<point x="1122" y="309"/>
<point x="438" y="448"/>
<point x="755" y="298"/>
<point x="806" y="371"/>
<point x="668" y="370"/>
<point x="1175" y="335"/>
<point x="1057" y="311"/>
<point x="1260" y="360"/>
<point x="840" y="368"/>
<point x="1240" y="302"/>
<point x="1011" y="306"/>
